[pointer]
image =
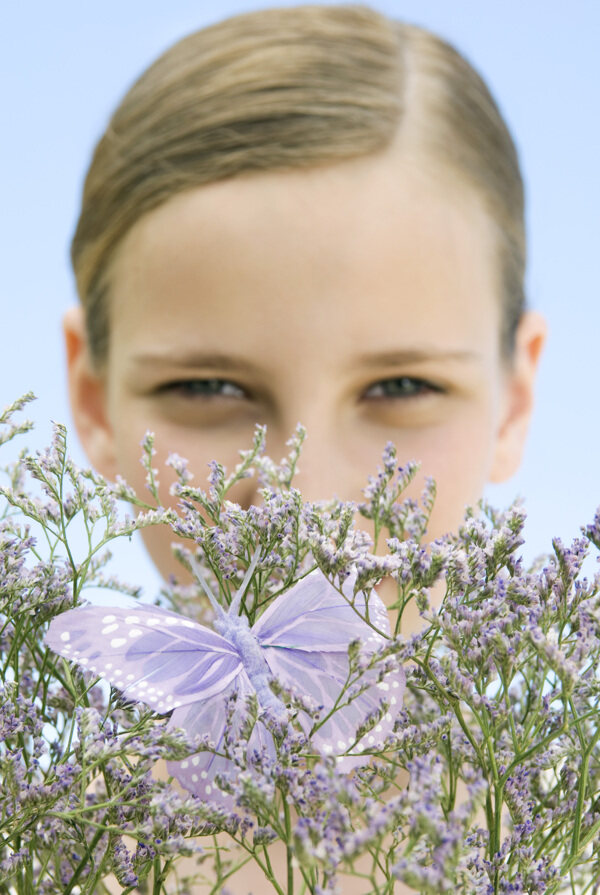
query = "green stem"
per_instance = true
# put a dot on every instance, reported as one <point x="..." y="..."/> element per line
<point x="288" y="846"/>
<point x="84" y="861"/>
<point x="267" y="869"/>
<point x="583" y="780"/>
<point x="160" y="874"/>
<point x="225" y="876"/>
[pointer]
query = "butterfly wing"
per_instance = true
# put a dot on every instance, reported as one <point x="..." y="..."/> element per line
<point x="150" y="654"/>
<point x="305" y="635"/>
<point x="314" y="615"/>
<point x="323" y="677"/>
<point x="208" y="717"/>
<point x="172" y="664"/>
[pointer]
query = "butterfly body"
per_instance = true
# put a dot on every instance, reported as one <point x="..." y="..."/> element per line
<point x="176" y="665"/>
<point x="236" y="630"/>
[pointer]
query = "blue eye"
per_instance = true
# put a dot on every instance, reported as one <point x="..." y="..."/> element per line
<point x="401" y="387"/>
<point x="205" y="388"/>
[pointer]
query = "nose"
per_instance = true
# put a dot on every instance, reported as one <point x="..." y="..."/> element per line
<point x="328" y="466"/>
<point x="326" y="472"/>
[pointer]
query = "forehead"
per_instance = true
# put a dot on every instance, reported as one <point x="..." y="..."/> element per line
<point x="377" y="248"/>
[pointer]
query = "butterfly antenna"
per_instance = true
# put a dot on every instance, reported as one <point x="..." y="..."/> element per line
<point x="235" y="603"/>
<point x="205" y="587"/>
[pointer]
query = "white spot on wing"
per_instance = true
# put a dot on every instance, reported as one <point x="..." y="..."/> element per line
<point x="116" y="642"/>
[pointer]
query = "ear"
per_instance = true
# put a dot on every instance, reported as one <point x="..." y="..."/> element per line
<point x="88" y="396"/>
<point x="518" y="396"/>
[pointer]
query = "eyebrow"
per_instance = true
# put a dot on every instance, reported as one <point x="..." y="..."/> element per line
<point x="415" y="355"/>
<point x="193" y="359"/>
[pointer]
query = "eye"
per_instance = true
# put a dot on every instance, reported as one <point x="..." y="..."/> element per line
<point x="204" y="388"/>
<point x="402" y="387"/>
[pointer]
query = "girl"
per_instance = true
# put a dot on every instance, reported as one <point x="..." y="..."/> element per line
<point x="312" y="214"/>
<point x="309" y="214"/>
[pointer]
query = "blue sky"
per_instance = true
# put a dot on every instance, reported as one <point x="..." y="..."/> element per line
<point x="65" y="64"/>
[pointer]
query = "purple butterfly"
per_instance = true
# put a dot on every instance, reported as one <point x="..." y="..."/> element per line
<point x="173" y="664"/>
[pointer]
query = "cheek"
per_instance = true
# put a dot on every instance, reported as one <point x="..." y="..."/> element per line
<point x="198" y="450"/>
<point x="459" y="458"/>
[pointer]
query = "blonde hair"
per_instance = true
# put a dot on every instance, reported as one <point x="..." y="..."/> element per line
<point x="292" y="88"/>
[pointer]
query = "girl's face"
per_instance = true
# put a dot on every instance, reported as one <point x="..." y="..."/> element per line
<point x="361" y="299"/>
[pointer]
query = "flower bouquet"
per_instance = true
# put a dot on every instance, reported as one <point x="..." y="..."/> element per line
<point x="304" y="730"/>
